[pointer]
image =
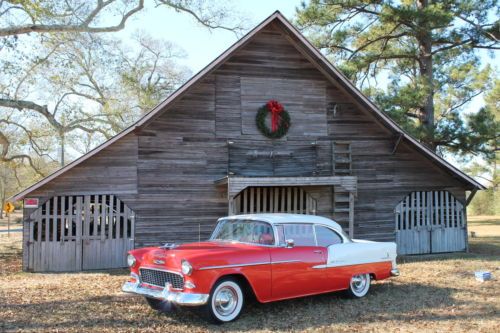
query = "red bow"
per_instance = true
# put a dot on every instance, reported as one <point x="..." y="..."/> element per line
<point x="275" y="108"/>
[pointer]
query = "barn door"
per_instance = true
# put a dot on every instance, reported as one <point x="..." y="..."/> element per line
<point x="107" y="232"/>
<point x="430" y="222"/>
<point x="71" y="233"/>
<point x="274" y="200"/>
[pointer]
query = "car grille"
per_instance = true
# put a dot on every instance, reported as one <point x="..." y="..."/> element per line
<point x="160" y="278"/>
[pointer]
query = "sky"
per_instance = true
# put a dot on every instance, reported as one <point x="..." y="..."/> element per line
<point x="201" y="44"/>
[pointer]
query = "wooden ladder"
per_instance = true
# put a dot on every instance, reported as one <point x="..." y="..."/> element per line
<point x="341" y="158"/>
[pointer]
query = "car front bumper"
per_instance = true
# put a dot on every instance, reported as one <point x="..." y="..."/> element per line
<point x="167" y="294"/>
<point x="395" y="272"/>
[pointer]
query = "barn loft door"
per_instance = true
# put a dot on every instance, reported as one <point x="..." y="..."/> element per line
<point x="430" y="222"/>
<point x="71" y="233"/>
<point x="274" y="200"/>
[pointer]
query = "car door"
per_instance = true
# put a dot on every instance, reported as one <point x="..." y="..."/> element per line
<point x="338" y="276"/>
<point x="295" y="269"/>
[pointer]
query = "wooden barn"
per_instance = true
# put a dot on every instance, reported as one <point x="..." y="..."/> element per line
<point x="269" y="126"/>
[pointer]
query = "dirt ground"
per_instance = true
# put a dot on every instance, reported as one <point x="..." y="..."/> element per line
<point x="15" y="221"/>
<point x="436" y="293"/>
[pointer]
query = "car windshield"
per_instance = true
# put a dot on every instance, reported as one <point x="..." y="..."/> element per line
<point x="245" y="231"/>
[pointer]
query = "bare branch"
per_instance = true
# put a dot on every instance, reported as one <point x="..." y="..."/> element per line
<point x="85" y="26"/>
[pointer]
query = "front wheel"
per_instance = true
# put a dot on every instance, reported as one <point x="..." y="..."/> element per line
<point x="359" y="285"/>
<point x="225" y="302"/>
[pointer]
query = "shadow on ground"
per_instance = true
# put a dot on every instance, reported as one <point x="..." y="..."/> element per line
<point x="387" y="301"/>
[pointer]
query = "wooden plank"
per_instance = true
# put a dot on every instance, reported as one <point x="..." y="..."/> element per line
<point x="283" y="198"/>
<point x="452" y="208"/>
<point x="265" y="202"/>
<point x="71" y="217"/>
<point x="441" y="208"/>
<point x="417" y="210"/>
<point x="119" y="216"/>
<point x="54" y="220"/>
<point x="63" y="219"/>
<point x="79" y="221"/>
<point x="407" y="213"/>
<point x="258" y="207"/>
<point x="436" y="208"/>
<point x="252" y="196"/>
<point x="351" y="215"/>
<point x="95" y="213"/>
<point x="276" y="199"/>
<point x="86" y="218"/>
<point x="289" y="200"/>
<point x="103" y="214"/>
<point x="245" y="201"/>
<point x="447" y="208"/>
<point x="47" y="221"/>
<point x="111" y="224"/>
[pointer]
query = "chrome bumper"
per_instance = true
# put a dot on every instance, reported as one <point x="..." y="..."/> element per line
<point x="395" y="272"/>
<point x="180" y="298"/>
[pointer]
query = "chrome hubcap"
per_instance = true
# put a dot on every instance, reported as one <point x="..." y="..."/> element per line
<point x="226" y="301"/>
<point x="358" y="283"/>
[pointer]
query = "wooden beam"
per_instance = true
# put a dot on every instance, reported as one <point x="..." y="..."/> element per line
<point x="351" y="215"/>
<point x="396" y="145"/>
<point x="470" y="197"/>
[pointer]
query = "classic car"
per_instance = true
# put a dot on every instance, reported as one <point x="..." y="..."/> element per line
<point x="268" y="257"/>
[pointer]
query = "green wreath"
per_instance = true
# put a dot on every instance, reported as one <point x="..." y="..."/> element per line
<point x="283" y="123"/>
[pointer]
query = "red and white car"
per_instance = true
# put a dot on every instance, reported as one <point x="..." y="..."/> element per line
<point x="267" y="256"/>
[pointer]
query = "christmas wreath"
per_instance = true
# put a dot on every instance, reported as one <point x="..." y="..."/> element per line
<point x="280" y="120"/>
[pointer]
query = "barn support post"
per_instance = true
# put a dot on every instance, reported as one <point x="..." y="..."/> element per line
<point x="351" y="215"/>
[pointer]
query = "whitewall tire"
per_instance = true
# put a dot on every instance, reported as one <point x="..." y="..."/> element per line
<point x="359" y="285"/>
<point x="225" y="302"/>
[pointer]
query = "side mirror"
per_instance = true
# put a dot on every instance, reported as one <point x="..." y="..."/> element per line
<point x="289" y="243"/>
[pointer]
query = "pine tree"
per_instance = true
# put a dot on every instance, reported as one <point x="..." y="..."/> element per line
<point x="428" y="52"/>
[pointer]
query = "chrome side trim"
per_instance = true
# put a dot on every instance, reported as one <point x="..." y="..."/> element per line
<point x="234" y="265"/>
<point x="320" y="266"/>
<point x="284" y="261"/>
<point x="250" y="264"/>
<point x="180" y="298"/>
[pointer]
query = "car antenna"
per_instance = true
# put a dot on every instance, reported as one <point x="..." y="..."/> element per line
<point x="199" y="232"/>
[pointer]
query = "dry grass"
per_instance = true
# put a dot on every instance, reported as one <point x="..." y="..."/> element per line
<point x="434" y="293"/>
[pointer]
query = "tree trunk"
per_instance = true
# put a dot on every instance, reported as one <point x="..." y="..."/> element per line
<point x="2" y="196"/>
<point x="63" y="144"/>
<point x="426" y="74"/>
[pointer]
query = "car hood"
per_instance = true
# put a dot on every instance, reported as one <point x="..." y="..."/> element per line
<point x="202" y="254"/>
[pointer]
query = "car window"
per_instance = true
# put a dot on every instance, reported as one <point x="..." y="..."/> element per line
<point x="281" y="235"/>
<point x="326" y="237"/>
<point x="246" y="231"/>
<point x="302" y="234"/>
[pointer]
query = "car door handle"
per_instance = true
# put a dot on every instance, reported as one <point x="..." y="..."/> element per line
<point x="317" y="251"/>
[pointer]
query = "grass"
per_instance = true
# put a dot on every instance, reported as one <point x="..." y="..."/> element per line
<point x="435" y="293"/>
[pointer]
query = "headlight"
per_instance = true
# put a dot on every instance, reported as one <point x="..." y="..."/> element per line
<point x="186" y="267"/>
<point x="131" y="260"/>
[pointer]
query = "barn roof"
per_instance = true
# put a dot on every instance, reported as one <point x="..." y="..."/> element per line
<point x="310" y="52"/>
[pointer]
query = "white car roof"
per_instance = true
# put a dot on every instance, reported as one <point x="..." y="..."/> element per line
<point x="278" y="218"/>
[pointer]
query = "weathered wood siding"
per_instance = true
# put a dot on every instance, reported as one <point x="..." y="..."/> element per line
<point x="166" y="171"/>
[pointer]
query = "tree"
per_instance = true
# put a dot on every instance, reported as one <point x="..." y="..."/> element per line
<point x="488" y="202"/>
<point x="428" y="51"/>
<point x="84" y="91"/>
<point x="53" y="86"/>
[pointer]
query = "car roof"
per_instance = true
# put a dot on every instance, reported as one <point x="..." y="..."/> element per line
<point x="277" y="218"/>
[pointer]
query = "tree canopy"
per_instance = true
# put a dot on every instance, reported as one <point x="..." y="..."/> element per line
<point x="428" y="55"/>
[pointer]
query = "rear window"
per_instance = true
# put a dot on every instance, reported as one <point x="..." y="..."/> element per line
<point x="326" y="236"/>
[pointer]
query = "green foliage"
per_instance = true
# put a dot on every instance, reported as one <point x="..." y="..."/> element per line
<point x="485" y="202"/>
<point x="422" y="52"/>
